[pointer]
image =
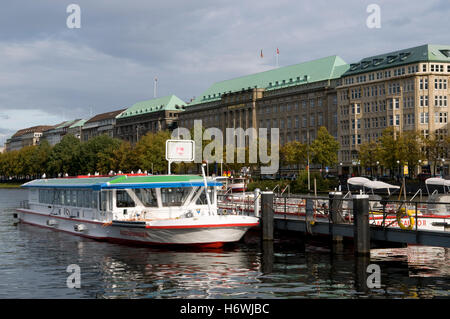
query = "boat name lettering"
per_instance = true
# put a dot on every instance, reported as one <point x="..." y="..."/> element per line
<point x="133" y="233"/>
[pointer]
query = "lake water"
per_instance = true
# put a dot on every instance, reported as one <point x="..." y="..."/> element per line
<point x="34" y="261"/>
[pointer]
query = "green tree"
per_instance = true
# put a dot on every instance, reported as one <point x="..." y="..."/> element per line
<point x="369" y="154"/>
<point x="90" y="153"/>
<point x="150" y="152"/>
<point x="389" y="151"/>
<point x="65" y="157"/>
<point x="294" y="153"/>
<point x="435" y="149"/>
<point x="410" y="150"/>
<point x="324" y="148"/>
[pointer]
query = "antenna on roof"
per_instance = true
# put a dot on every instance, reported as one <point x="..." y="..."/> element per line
<point x="154" y="87"/>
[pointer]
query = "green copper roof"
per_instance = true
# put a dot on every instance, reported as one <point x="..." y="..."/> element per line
<point x="156" y="179"/>
<point x="167" y="103"/>
<point x="66" y="124"/>
<point x="78" y="123"/>
<point x="312" y="71"/>
<point x="123" y="181"/>
<point x="423" y="53"/>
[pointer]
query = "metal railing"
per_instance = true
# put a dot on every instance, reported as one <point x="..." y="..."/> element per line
<point x="386" y="213"/>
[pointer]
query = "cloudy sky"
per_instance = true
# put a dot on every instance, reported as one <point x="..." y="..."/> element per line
<point x="50" y="73"/>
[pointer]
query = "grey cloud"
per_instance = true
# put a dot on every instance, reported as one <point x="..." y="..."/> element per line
<point x="111" y="61"/>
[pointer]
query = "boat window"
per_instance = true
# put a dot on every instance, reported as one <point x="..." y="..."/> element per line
<point x="103" y="201"/>
<point x="73" y="198"/>
<point x="123" y="199"/>
<point x="94" y="200"/>
<point x="67" y="197"/>
<point x="147" y="196"/>
<point x="174" y="196"/>
<point x="201" y="200"/>
<point x="80" y="195"/>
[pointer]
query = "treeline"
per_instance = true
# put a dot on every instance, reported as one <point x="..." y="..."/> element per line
<point x="396" y="149"/>
<point x="100" y="154"/>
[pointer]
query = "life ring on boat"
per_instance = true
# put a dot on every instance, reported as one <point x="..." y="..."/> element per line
<point x="408" y="213"/>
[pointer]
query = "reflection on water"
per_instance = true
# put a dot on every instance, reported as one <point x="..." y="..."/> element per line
<point x="423" y="261"/>
<point x="33" y="263"/>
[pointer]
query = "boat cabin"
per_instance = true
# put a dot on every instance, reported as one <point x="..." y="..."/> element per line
<point x="124" y="197"/>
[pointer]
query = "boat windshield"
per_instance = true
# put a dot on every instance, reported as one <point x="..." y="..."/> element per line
<point x="147" y="196"/>
<point x="174" y="196"/>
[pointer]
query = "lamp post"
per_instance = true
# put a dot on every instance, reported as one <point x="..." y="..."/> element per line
<point x="419" y="170"/>
<point x="378" y="174"/>
<point x="398" y="164"/>
<point x="442" y="167"/>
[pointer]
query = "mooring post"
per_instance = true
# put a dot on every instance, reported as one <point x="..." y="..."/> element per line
<point x="257" y="201"/>
<point x="267" y="215"/>
<point x="335" y="202"/>
<point x="361" y="228"/>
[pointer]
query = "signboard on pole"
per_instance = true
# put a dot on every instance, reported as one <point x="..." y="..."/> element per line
<point x="405" y="170"/>
<point x="180" y="150"/>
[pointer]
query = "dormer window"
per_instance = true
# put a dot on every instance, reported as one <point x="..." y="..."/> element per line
<point x="445" y="52"/>
<point x="391" y="58"/>
<point x="404" y="55"/>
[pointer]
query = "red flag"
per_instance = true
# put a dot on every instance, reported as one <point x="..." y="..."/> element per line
<point x="278" y="51"/>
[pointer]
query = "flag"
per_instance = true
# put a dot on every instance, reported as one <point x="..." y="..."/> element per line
<point x="262" y="54"/>
<point x="278" y="51"/>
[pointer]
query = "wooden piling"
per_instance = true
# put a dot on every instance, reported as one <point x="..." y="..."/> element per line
<point x="361" y="228"/>
<point x="335" y="202"/>
<point x="267" y="215"/>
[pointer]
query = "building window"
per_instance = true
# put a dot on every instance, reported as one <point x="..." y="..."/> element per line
<point x="424" y="118"/>
<point x="440" y="117"/>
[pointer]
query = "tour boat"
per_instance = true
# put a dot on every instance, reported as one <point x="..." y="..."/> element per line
<point x="142" y="209"/>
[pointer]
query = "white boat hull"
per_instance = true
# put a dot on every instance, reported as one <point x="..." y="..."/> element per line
<point x="203" y="231"/>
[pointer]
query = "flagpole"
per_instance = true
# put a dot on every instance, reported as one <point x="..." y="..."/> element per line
<point x="278" y="53"/>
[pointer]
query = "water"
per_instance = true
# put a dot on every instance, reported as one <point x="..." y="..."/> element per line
<point x="34" y="261"/>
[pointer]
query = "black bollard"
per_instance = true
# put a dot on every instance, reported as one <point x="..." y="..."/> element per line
<point x="361" y="228"/>
<point x="267" y="215"/>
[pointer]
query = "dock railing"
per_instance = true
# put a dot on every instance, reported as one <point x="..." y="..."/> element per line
<point x="383" y="212"/>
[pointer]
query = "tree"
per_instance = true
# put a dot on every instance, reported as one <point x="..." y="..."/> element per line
<point x="324" y="148"/>
<point x="65" y="157"/>
<point x="369" y="155"/>
<point x="389" y="150"/>
<point x="435" y="149"/>
<point x="294" y="153"/>
<point x="90" y="151"/>
<point x="410" y="149"/>
<point x="150" y="152"/>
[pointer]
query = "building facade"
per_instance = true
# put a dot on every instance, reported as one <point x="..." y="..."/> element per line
<point x="148" y="116"/>
<point x="100" y="124"/>
<point x="54" y="134"/>
<point x="297" y="99"/>
<point x="25" y="137"/>
<point x="406" y="89"/>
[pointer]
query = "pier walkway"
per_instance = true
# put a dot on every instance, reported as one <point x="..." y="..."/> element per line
<point x="400" y="221"/>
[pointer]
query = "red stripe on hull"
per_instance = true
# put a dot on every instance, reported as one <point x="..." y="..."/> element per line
<point x="203" y="226"/>
<point x="127" y="241"/>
